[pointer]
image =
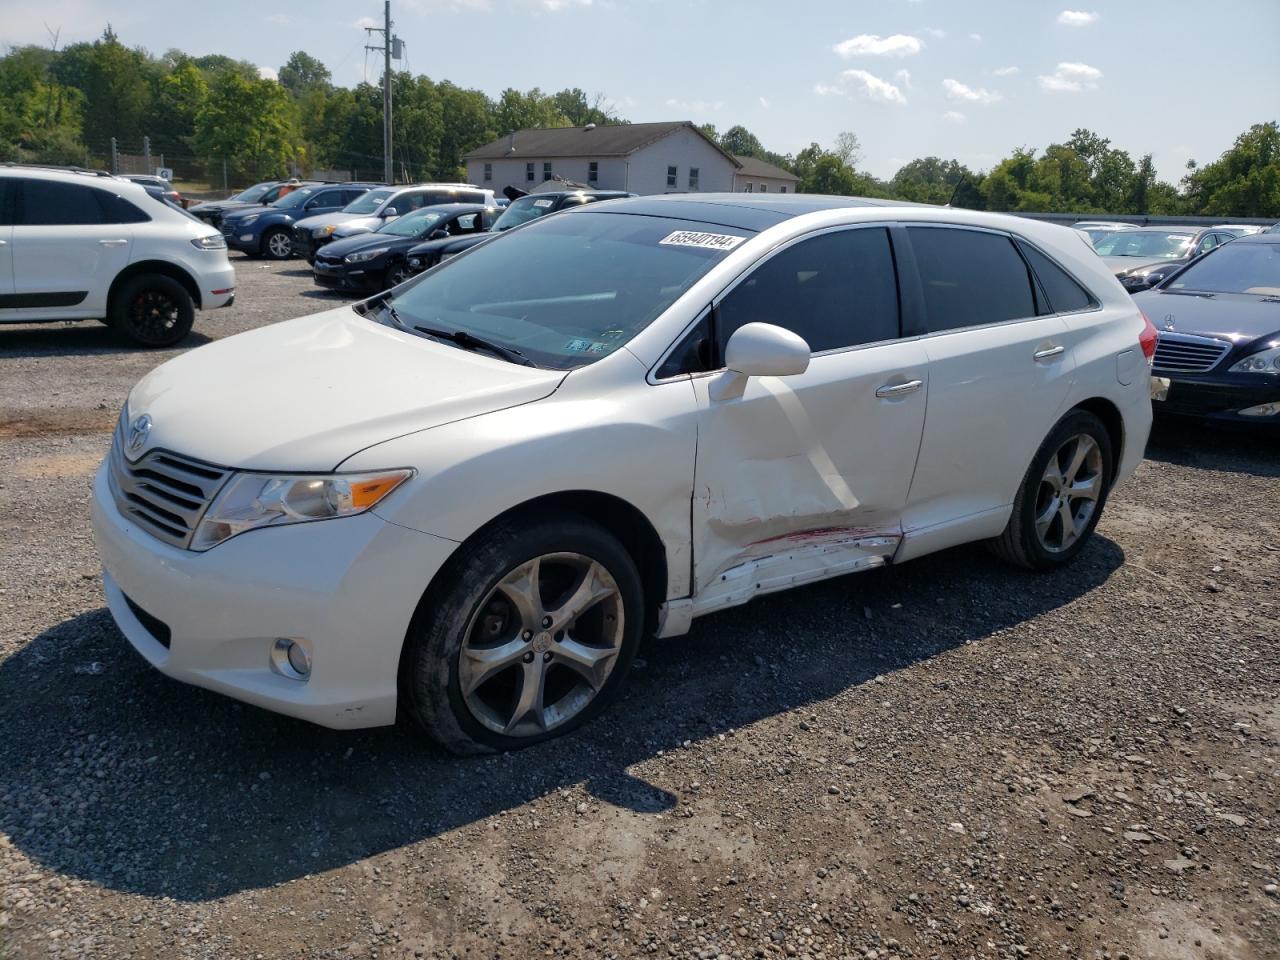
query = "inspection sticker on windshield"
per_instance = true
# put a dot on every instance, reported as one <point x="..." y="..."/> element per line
<point x="542" y="204"/>
<point x="578" y="345"/>
<point x="708" y="241"/>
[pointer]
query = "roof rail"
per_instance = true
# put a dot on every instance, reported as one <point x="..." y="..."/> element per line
<point x="60" y="168"/>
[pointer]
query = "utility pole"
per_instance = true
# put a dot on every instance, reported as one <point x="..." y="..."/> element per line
<point x="392" y="47"/>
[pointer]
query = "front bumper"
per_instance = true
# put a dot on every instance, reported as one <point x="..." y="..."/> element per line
<point x="346" y="587"/>
<point x="305" y="245"/>
<point x="1222" y="396"/>
<point x="342" y="277"/>
<point x="235" y="238"/>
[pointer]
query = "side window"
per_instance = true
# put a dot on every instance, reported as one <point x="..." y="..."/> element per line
<point x="330" y="198"/>
<point x="1065" y="293"/>
<point x="51" y="203"/>
<point x="694" y="353"/>
<point x="350" y="196"/>
<point x="8" y="188"/>
<point x="116" y="209"/>
<point x="970" y="278"/>
<point x="470" y="196"/>
<point x="838" y="289"/>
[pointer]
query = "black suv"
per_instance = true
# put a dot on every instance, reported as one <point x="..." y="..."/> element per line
<point x="522" y="210"/>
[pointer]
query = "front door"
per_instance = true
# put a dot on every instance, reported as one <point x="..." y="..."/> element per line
<point x="805" y="477"/>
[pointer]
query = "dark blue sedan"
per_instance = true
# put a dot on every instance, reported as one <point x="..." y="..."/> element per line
<point x="268" y="231"/>
<point x="1219" y="324"/>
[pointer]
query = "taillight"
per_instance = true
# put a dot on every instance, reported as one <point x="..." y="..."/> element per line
<point x="1149" y="337"/>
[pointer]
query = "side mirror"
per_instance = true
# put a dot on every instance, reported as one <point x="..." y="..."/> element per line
<point x="759" y="350"/>
<point x="390" y="212"/>
<point x="438" y="234"/>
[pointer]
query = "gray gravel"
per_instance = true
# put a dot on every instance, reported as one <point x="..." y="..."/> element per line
<point x="948" y="759"/>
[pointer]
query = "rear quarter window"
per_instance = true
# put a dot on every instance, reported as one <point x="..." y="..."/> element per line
<point x="1065" y="293"/>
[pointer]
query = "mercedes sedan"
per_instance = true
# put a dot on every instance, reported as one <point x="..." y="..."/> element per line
<point x="467" y="499"/>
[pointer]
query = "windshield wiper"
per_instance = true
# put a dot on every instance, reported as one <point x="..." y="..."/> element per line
<point x="469" y="341"/>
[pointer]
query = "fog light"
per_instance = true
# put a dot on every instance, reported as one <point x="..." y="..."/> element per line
<point x="291" y="658"/>
<point x="1261" y="410"/>
<point x="246" y="238"/>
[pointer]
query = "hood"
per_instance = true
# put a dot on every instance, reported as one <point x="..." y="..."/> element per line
<point x="242" y="210"/>
<point x="449" y="244"/>
<point x="1128" y="266"/>
<point x="361" y="224"/>
<point x="1238" y="317"/>
<point x="324" y="219"/>
<point x="220" y="204"/>
<point x="366" y="241"/>
<point x="306" y="394"/>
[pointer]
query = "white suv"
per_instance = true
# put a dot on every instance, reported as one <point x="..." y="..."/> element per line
<point x="82" y="245"/>
<point x="468" y="498"/>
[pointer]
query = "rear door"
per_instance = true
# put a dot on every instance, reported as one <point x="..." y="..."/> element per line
<point x="805" y="476"/>
<point x="327" y="201"/>
<point x="68" y="245"/>
<point x="1000" y="370"/>
<point x="6" y="241"/>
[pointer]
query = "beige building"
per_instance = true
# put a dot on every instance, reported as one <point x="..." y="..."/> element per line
<point x="643" y="158"/>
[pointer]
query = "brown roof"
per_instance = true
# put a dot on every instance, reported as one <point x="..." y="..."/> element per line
<point x="613" y="140"/>
<point x="755" y="167"/>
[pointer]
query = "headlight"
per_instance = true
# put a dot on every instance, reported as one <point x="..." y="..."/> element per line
<point x="364" y="256"/>
<point x="1265" y="361"/>
<point x="446" y="256"/>
<point x="251" y="500"/>
<point x="252" y="218"/>
<point x="215" y="242"/>
<point x="324" y="231"/>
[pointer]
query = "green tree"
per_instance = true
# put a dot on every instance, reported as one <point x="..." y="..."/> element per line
<point x="527" y="111"/>
<point x="117" y="91"/>
<point x="1244" y="181"/>
<point x="933" y="180"/>
<point x="743" y="143"/>
<point x="303" y="74"/>
<point x="247" y="121"/>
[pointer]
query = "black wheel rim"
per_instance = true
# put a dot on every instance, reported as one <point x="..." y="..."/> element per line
<point x="153" y="315"/>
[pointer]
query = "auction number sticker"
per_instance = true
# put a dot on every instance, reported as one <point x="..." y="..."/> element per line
<point x="542" y="204"/>
<point x="708" y="241"/>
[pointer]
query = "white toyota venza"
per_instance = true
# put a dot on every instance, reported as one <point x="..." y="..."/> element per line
<point x="466" y="500"/>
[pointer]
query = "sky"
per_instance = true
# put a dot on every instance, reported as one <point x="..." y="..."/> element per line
<point x="963" y="79"/>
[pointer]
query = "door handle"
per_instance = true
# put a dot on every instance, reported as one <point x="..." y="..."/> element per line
<point x="891" y="391"/>
<point x="1049" y="353"/>
<point x="113" y="243"/>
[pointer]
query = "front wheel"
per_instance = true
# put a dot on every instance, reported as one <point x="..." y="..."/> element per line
<point x="396" y="274"/>
<point x="528" y="636"/>
<point x="278" y="245"/>
<point x="1062" y="495"/>
<point x="152" y="310"/>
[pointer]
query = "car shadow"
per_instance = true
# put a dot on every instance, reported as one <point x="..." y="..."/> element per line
<point x="86" y="338"/>
<point x="296" y="272"/>
<point x="113" y="773"/>
<point x="1207" y="445"/>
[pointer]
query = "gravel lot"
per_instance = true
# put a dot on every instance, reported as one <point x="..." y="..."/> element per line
<point x="949" y="759"/>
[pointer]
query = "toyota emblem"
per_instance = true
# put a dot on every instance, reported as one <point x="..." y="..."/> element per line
<point x="139" y="430"/>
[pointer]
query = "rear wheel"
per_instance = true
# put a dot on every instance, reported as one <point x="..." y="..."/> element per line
<point x="528" y="636"/>
<point x="152" y="310"/>
<point x="277" y="245"/>
<point x="1062" y="495"/>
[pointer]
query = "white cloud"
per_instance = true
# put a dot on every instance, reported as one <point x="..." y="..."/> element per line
<point x="903" y="77"/>
<point x="961" y="91"/>
<point x="267" y="73"/>
<point x="935" y="33"/>
<point x="977" y="37"/>
<point x="1007" y="71"/>
<point x="764" y="102"/>
<point x="696" y="106"/>
<point x="872" y="45"/>
<point x="1070" y="78"/>
<point x="364" y="22"/>
<point x="278" y="18"/>
<point x="827" y="90"/>
<point x="555" y="6"/>
<point x="871" y="87"/>
<point x="1077" y="18"/>
<point x="954" y="116"/>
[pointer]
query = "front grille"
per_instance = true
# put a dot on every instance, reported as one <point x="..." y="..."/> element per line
<point x="225" y="228"/>
<point x="1182" y="353"/>
<point x="164" y="493"/>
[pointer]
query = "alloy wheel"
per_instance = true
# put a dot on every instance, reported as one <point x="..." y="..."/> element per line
<point x="280" y="245"/>
<point x="541" y="645"/>
<point x="152" y="314"/>
<point x="1069" y="493"/>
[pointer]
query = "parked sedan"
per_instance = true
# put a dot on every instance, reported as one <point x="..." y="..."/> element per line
<point x="1142" y="258"/>
<point x="376" y="261"/>
<point x="1219" y="323"/>
<point x="468" y="499"/>
<point x="260" y="194"/>
<point x="157" y="187"/>
<point x="521" y="210"/>
<point x="267" y="231"/>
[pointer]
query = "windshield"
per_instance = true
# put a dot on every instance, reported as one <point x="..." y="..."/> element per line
<point x="570" y="289"/>
<point x="1097" y="234"/>
<point x="522" y="211"/>
<point x="1139" y="243"/>
<point x="295" y="198"/>
<point x="411" y="225"/>
<point x="369" y="203"/>
<point x="1234" y="268"/>
<point x="254" y="193"/>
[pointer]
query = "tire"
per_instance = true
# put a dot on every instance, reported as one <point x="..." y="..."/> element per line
<point x="277" y="245"/>
<point x="396" y="274"/>
<point x="151" y="310"/>
<point x="470" y="651"/>
<point x="1046" y="530"/>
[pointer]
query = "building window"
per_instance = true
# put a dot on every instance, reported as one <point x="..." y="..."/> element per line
<point x="488" y="172"/>
<point x="764" y="188"/>
<point x="783" y="188"/>
<point x="546" y="170"/>
<point x="750" y="187"/>
<point x="593" y="172"/>
<point x="528" y="172"/>
<point x="693" y="178"/>
<point x="672" y="175"/>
